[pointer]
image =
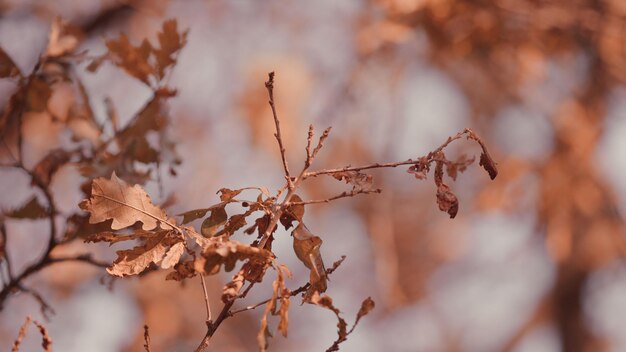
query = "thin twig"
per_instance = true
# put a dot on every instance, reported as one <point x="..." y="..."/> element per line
<point x="339" y="196"/>
<point x="309" y="141"/>
<point x="270" y="91"/>
<point x="21" y="334"/>
<point x="206" y="301"/>
<point x="146" y="338"/>
<point x="46" y="341"/>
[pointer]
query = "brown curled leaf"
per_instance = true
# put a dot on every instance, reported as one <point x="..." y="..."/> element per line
<point x="447" y="201"/>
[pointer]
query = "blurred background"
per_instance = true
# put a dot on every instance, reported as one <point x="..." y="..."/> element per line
<point x="533" y="261"/>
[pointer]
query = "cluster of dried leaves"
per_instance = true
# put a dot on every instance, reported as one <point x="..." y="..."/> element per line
<point x="167" y="243"/>
<point x="119" y="210"/>
<point x="99" y="145"/>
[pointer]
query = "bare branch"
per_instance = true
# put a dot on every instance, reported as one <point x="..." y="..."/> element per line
<point x="341" y="195"/>
<point x="270" y="91"/>
<point x="21" y="334"/>
<point x="146" y="338"/>
<point x="206" y="301"/>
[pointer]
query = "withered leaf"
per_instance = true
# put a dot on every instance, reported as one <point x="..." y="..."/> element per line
<point x="232" y="289"/>
<point x="114" y="237"/>
<point x="218" y="251"/>
<point x="485" y="159"/>
<point x="446" y="200"/>
<point x="31" y="210"/>
<point x="488" y="164"/>
<point x="182" y="271"/>
<point x="359" y="181"/>
<point x="294" y="212"/>
<point x="211" y="224"/>
<point x="327" y="302"/>
<point x="420" y="169"/>
<point x="307" y="249"/>
<point x="134" y="261"/>
<point x="172" y="257"/>
<point x="115" y="199"/>
<point x="228" y="194"/>
<point x="7" y="66"/>
<point x="192" y="215"/>
<point x="366" y="306"/>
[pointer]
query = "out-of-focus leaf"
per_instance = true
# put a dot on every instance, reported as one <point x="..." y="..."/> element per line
<point x="63" y="38"/>
<point x="45" y="169"/>
<point x="170" y="41"/>
<point x="130" y="58"/>
<point x="115" y="199"/>
<point x="31" y="210"/>
<point x="366" y="306"/>
<point x="7" y="66"/>
<point x="114" y="237"/>
<point x="38" y="93"/>
<point x="211" y="225"/>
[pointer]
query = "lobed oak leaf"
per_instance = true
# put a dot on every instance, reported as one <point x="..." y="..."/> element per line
<point x="134" y="261"/>
<point x="31" y="210"/>
<point x="7" y="66"/>
<point x="130" y="58"/>
<point x="232" y="289"/>
<point x="171" y="42"/>
<point x="126" y="205"/>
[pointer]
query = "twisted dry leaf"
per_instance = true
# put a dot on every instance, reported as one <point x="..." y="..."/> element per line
<point x="156" y="250"/>
<point x="115" y="199"/>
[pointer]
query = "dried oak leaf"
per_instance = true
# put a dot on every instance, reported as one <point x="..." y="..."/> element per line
<point x="7" y="66"/>
<point x="326" y="302"/>
<point x="294" y="212"/>
<point x="420" y="169"/>
<point x="218" y="251"/>
<point x="280" y="291"/>
<point x="232" y="289"/>
<point x="307" y="248"/>
<point x="485" y="159"/>
<point x="216" y="220"/>
<point x="183" y="270"/>
<point x="228" y="194"/>
<point x="114" y="237"/>
<point x="192" y="215"/>
<point x="155" y="250"/>
<point x="446" y="200"/>
<point x="366" y="306"/>
<point x="31" y="210"/>
<point x="359" y="181"/>
<point x="115" y="199"/>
